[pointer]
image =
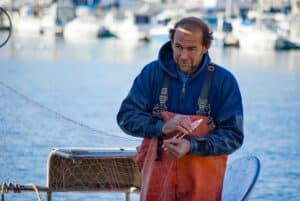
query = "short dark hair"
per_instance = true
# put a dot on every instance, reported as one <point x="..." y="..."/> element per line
<point x="190" y="23"/>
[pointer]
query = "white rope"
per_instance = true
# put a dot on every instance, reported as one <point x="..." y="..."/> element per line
<point x="36" y="190"/>
<point x="61" y="115"/>
<point x="3" y="191"/>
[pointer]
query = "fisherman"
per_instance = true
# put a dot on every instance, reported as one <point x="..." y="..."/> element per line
<point x="189" y="113"/>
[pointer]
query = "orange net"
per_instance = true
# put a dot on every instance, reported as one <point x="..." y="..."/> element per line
<point x="189" y="178"/>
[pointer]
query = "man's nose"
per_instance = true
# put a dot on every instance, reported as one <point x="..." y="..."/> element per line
<point x="184" y="54"/>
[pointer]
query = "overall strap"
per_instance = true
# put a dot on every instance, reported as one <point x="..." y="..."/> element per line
<point x="203" y="104"/>
<point x="163" y="97"/>
<point x="156" y="112"/>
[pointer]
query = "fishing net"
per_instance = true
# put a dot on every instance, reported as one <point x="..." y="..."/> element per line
<point x="93" y="170"/>
<point x="29" y="131"/>
<point x="189" y="178"/>
<point x="32" y="130"/>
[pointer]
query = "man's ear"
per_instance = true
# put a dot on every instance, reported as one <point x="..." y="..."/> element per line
<point x="205" y="48"/>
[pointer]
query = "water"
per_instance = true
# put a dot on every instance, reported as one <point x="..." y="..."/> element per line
<point x="44" y="82"/>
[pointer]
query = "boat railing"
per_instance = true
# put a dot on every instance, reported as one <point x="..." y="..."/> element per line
<point x="114" y="170"/>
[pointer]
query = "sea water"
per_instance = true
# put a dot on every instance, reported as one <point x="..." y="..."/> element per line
<point x="59" y="94"/>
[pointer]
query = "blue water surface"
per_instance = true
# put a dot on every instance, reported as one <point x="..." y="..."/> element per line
<point x="57" y="94"/>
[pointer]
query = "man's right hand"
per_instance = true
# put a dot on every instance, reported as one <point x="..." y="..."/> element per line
<point x="178" y="123"/>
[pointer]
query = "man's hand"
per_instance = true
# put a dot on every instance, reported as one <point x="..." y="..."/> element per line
<point x="178" y="123"/>
<point x="177" y="147"/>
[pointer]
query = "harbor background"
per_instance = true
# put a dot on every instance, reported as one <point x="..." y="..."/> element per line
<point x="57" y="93"/>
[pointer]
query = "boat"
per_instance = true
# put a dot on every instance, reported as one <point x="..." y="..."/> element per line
<point x="27" y="22"/>
<point x="85" y="27"/>
<point x="81" y="169"/>
<point x="127" y="25"/>
<point x="163" y="22"/>
<point x="285" y="44"/>
<point x="253" y="36"/>
<point x="269" y="30"/>
<point x="223" y="34"/>
<point x="289" y="32"/>
<point x="50" y="22"/>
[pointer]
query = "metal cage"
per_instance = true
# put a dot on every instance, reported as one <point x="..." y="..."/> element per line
<point x="87" y="169"/>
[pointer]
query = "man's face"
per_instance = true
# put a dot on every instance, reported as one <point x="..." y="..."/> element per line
<point x="188" y="49"/>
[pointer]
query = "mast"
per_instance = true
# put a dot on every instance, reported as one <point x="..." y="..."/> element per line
<point x="228" y="8"/>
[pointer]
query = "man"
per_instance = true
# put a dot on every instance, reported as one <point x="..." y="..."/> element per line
<point x="189" y="112"/>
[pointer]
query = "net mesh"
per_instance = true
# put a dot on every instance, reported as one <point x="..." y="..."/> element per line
<point x="187" y="178"/>
<point x="30" y="130"/>
<point x="96" y="174"/>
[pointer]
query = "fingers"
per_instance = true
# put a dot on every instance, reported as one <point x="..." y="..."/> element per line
<point x="177" y="147"/>
<point x="178" y="123"/>
<point x="183" y="130"/>
<point x="172" y="141"/>
<point x="186" y="124"/>
<point x="172" y="149"/>
<point x="169" y="143"/>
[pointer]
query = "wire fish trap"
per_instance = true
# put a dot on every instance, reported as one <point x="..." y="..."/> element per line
<point x="87" y="170"/>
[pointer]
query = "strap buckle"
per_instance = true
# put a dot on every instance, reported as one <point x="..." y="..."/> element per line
<point x="203" y="107"/>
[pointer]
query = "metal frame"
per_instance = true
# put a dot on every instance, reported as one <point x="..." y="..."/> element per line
<point x="247" y="167"/>
<point x="80" y="155"/>
<point x="9" y="29"/>
<point x="240" y="178"/>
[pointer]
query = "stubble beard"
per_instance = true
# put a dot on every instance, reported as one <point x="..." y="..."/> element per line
<point x="187" y="69"/>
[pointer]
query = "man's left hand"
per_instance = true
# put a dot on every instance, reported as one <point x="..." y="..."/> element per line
<point x="177" y="147"/>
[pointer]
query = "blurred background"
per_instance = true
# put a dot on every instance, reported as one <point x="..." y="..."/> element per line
<point x="69" y="63"/>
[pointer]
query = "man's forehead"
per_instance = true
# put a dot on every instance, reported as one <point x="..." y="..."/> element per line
<point x="187" y="36"/>
<point x="184" y="30"/>
<point x="189" y="31"/>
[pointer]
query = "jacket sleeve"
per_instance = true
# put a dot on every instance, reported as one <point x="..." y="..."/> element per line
<point x="135" y="114"/>
<point x="228" y="135"/>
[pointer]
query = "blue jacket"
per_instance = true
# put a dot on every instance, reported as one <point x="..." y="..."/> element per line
<point x="135" y="115"/>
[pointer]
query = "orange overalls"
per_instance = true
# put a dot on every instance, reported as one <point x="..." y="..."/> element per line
<point x="190" y="178"/>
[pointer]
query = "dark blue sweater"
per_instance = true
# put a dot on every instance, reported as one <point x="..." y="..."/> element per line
<point x="135" y="115"/>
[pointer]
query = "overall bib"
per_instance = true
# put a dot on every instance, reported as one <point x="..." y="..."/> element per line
<point x="190" y="178"/>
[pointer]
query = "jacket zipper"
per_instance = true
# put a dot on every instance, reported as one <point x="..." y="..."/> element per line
<point x="182" y="96"/>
